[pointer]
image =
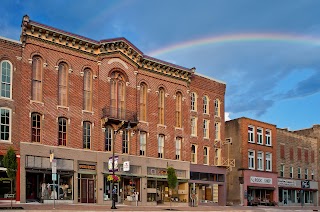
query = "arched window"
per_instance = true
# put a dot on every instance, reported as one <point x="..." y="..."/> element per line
<point x="37" y="78"/>
<point x="143" y="102"/>
<point x="6" y="79"/>
<point x="118" y="95"/>
<point x="62" y="138"/>
<point x="193" y="101"/>
<point x="161" y="106"/>
<point x="86" y="135"/>
<point x="36" y="127"/>
<point x="178" y="109"/>
<point x="217" y="107"/>
<point x="205" y="105"/>
<point x="63" y="85"/>
<point x="87" y="90"/>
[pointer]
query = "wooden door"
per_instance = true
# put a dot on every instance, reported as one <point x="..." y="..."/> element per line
<point x="84" y="190"/>
<point x="90" y="191"/>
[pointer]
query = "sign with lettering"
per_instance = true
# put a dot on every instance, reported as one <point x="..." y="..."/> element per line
<point x="126" y="166"/>
<point x="87" y="166"/>
<point x="261" y="180"/>
<point x="114" y="162"/>
<point x="305" y="184"/>
<point x="285" y="182"/>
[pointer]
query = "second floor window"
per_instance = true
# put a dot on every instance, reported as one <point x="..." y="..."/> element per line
<point x="205" y="156"/>
<point x="268" y="161"/>
<point x="143" y="143"/>
<point x="6" y="78"/>
<point x="36" y="127"/>
<point x="86" y="135"/>
<point x="260" y="161"/>
<point x="291" y="172"/>
<point x="217" y="130"/>
<point x="117" y="95"/>
<point x="178" y="109"/>
<point x="282" y="170"/>
<point x="193" y="126"/>
<point x="251" y="134"/>
<point x="260" y="135"/>
<point x="62" y="138"/>
<point x="206" y="128"/>
<point x="161" y="105"/>
<point x="36" y="79"/>
<point x="87" y="90"/>
<point x="178" y="148"/>
<point x="5" y="123"/>
<point x="193" y="102"/>
<point x="299" y="173"/>
<point x="125" y="141"/>
<point x="108" y="139"/>
<point x="306" y="174"/>
<point x="268" y="137"/>
<point x="205" y="105"/>
<point x="160" y="146"/>
<point x="251" y="159"/>
<point x="143" y="102"/>
<point x="193" y="154"/>
<point x="63" y="85"/>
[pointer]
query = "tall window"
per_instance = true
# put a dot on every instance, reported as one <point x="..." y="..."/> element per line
<point x="268" y="161"/>
<point x="37" y="78"/>
<point x="260" y="135"/>
<point x="217" y="107"/>
<point x="125" y="141"/>
<point x="205" y="105"/>
<point x="217" y="130"/>
<point x="291" y="171"/>
<point x="160" y="146"/>
<point x="117" y="95"/>
<point x="143" y="102"/>
<point x="206" y="128"/>
<point x="251" y="159"/>
<point x="306" y="173"/>
<point x="86" y="135"/>
<point x="205" y="155"/>
<point x="5" y="123"/>
<point x="193" y="101"/>
<point x="251" y="134"/>
<point x="178" y="109"/>
<point x="299" y="173"/>
<point x="62" y="138"/>
<point x="306" y="156"/>
<point x="36" y="127"/>
<point x="268" y="137"/>
<point x="282" y="170"/>
<point x="63" y="84"/>
<point x="193" y="154"/>
<point x="6" y="79"/>
<point x="161" y="106"/>
<point x="87" y="90"/>
<point x="143" y="143"/>
<point x="178" y="148"/>
<point x="282" y="154"/>
<point x="108" y="139"/>
<point x="291" y="153"/>
<point x="260" y="161"/>
<point x="299" y="153"/>
<point x="193" y="126"/>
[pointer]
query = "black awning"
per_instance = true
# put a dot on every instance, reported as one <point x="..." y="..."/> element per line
<point x="263" y="188"/>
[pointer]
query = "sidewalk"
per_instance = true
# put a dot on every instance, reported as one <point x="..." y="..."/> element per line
<point x="36" y="207"/>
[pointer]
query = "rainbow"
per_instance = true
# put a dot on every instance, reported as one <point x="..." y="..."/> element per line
<point x="233" y="38"/>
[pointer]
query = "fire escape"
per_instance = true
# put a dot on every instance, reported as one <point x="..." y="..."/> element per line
<point x="223" y="161"/>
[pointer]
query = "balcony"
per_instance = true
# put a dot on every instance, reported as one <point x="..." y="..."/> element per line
<point x="111" y="115"/>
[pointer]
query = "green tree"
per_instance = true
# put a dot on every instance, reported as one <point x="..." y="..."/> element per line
<point x="172" y="180"/>
<point x="10" y="162"/>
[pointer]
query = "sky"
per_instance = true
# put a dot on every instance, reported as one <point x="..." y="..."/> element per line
<point x="267" y="52"/>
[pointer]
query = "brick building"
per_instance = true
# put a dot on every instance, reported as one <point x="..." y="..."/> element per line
<point x="297" y="167"/>
<point x="254" y="178"/>
<point x="84" y="101"/>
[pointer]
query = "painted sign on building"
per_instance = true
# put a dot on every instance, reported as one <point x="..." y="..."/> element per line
<point x="285" y="182"/>
<point x="260" y="180"/>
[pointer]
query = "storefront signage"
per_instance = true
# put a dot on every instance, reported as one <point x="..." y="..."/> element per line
<point x="115" y="161"/>
<point x="260" y="180"/>
<point x="87" y="166"/>
<point x="126" y="166"/>
<point x="305" y="184"/>
<point x="283" y="182"/>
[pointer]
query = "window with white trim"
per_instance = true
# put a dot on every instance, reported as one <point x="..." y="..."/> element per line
<point x="260" y="135"/>
<point x="178" y="109"/>
<point x="36" y="127"/>
<point x="6" y="79"/>
<point x="160" y="146"/>
<point x="62" y="139"/>
<point x="194" y="126"/>
<point x="268" y="137"/>
<point x="260" y="160"/>
<point x="108" y="139"/>
<point x="5" y="124"/>
<point x="161" y="105"/>
<point x="143" y="143"/>
<point x="250" y="134"/>
<point x="193" y="153"/>
<point x="306" y="173"/>
<point x="217" y="130"/>
<point x="299" y="173"/>
<point x="268" y="161"/>
<point x="291" y="171"/>
<point x="86" y="135"/>
<point x="193" y="101"/>
<point x="251" y="159"/>
<point x="143" y="101"/>
<point x="217" y="107"/>
<point x="205" y="105"/>
<point x="125" y="142"/>
<point x="205" y="155"/>
<point x="206" y="128"/>
<point x="178" y="148"/>
<point x="281" y="170"/>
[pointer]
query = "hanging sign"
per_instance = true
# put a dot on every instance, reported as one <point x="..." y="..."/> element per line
<point x="126" y="166"/>
<point x="115" y="161"/>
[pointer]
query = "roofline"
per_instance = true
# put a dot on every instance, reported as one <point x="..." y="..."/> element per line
<point x="210" y="78"/>
<point x="11" y="40"/>
<point x="252" y="120"/>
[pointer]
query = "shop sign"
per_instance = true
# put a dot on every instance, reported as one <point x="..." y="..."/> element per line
<point x="305" y="184"/>
<point x="115" y="166"/>
<point x="283" y="182"/>
<point x="126" y="166"/>
<point x="260" y="180"/>
<point x="87" y="166"/>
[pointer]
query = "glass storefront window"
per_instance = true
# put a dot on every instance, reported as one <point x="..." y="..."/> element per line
<point x="5" y="185"/>
<point x="63" y="190"/>
<point x="106" y="189"/>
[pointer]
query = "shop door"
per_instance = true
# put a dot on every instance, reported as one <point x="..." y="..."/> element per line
<point x="87" y="191"/>
<point x="285" y="197"/>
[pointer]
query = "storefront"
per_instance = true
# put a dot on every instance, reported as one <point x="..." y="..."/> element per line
<point x="297" y="192"/>
<point x="207" y="185"/>
<point x="87" y="182"/>
<point x="260" y="188"/>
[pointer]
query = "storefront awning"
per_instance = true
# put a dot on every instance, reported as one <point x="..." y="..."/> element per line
<point x="263" y="188"/>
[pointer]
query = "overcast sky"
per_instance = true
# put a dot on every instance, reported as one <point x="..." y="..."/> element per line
<point x="267" y="52"/>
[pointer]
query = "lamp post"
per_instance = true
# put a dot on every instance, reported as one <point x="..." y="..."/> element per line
<point x="113" y="191"/>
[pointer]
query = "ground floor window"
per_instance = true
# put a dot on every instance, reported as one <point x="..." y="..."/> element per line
<point x="260" y="196"/>
<point x="131" y="188"/>
<point x="5" y="185"/>
<point x="288" y="196"/>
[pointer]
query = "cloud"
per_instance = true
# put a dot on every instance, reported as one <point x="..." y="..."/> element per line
<point x="227" y="116"/>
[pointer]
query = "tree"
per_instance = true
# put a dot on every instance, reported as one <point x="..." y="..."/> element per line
<point x="172" y="180"/>
<point x="10" y="162"/>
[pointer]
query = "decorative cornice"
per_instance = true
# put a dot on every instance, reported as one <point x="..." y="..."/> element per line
<point x="100" y="48"/>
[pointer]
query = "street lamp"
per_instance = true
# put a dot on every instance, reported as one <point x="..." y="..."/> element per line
<point x="113" y="191"/>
